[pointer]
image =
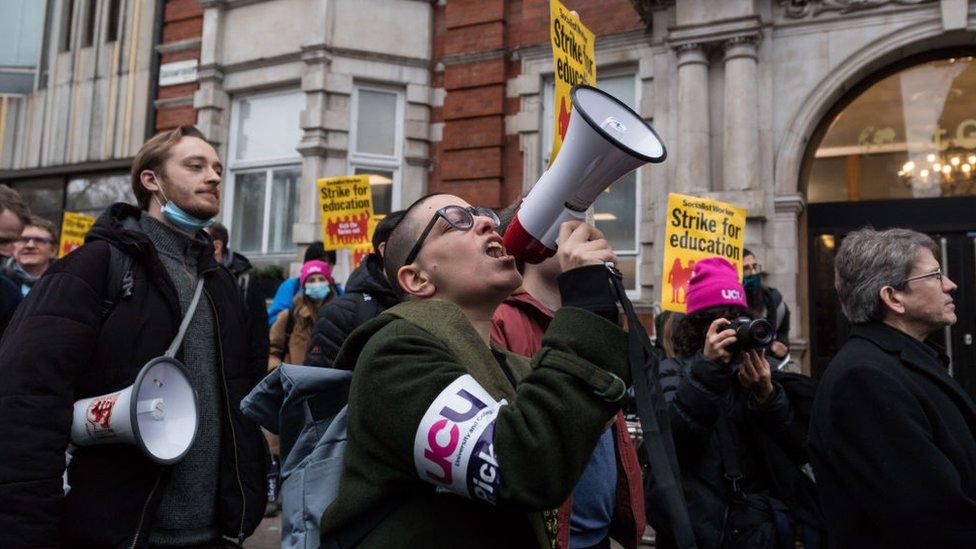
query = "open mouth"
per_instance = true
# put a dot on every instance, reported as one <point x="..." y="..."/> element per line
<point x="495" y="250"/>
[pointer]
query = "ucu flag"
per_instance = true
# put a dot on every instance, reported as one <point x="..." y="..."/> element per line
<point x="454" y="444"/>
<point x="732" y="295"/>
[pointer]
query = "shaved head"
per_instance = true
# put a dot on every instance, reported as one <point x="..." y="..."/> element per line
<point x="402" y="239"/>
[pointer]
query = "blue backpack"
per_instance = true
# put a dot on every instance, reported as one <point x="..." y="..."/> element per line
<point x="306" y="407"/>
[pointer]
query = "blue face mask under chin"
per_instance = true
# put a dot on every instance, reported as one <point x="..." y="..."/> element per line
<point x="177" y="216"/>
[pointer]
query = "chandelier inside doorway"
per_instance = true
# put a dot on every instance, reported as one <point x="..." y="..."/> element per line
<point x="952" y="170"/>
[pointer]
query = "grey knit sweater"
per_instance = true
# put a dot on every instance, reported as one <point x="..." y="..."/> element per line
<point x="186" y="511"/>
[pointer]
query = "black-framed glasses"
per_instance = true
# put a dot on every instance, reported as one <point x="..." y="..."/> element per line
<point x="37" y="239"/>
<point x="755" y="268"/>
<point x="459" y="218"/>
<point x="936" y="274"/>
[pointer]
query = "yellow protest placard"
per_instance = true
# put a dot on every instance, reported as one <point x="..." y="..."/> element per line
<point x="697" y="228"/>
<point x="574" y="57"/>
<point x="360" y="252"/>
<point x="346" y="204"/>
<point x="74" y="227"/>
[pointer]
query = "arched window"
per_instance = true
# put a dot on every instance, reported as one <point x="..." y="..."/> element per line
<point x="911" y="134"/>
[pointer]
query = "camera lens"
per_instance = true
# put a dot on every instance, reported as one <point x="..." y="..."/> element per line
<point x="761" y="332"/>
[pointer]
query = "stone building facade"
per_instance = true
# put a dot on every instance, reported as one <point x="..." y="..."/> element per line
<point x="755" y="100"/>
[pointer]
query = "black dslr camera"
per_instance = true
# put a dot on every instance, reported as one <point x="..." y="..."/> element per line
<point x="749" y="334"/>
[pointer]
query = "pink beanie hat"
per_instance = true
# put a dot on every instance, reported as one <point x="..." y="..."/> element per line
<point x="715" y="282"/>
<point x="314" y="267"/>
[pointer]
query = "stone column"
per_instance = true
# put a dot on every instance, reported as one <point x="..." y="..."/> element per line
<point x="740" y="158"/>
<point x="693" y="155"/>
<point x="210" y="100"/>
<point x="783" y="264"/>
<point x="324" y="145"/>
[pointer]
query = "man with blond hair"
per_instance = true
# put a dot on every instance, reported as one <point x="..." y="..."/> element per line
<point x="87" y="328"/>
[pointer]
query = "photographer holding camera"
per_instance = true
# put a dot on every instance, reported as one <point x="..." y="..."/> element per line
<point x="726" y="415"/>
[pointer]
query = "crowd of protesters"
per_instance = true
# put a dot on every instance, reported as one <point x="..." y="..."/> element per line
<point x="483" y="401"/>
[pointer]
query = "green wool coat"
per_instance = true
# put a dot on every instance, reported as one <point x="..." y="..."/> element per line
<point x="427" y="389"/>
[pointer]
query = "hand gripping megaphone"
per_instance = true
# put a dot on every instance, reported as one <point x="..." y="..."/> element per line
<point x="158" y="413"/>
<point x="604" y="141"/>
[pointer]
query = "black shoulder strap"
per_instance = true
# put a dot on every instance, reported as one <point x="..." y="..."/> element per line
<point x="653" y="413"/>
<point x="119" y="281"/>
<point x="726" y="447"/>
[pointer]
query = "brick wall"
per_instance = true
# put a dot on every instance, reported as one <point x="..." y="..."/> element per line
<point x="473" y="45"/>
<point x="180" y="40"/>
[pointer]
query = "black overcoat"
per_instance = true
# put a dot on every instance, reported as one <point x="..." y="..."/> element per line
<point x="893" y="445"/>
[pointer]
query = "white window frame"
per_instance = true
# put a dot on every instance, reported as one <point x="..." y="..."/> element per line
<point x="394" y="163"/>
<point x="268" y="165"/>
<point x="545" y="145"/>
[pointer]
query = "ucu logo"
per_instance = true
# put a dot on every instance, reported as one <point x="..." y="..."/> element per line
<point x="732" y="295"/>
<point x="440" y="453"/>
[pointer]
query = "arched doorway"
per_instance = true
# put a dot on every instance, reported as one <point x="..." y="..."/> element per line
<point x="898" y="151"/>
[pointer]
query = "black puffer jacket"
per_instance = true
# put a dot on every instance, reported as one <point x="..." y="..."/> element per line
<point x="700" y="395"/>
<point x="58" y="350"/>
<point x="367" y="295"/>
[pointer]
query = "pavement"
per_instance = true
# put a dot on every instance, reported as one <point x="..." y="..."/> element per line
<point x="267" y="536"/>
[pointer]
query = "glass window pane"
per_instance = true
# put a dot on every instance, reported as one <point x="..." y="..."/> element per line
<point x="268" y="126"/>
<point x="628" y="267"/>
<point x="284" y="208"/>
<point x="92" y="195"/>
<point x="621" y="87"/>
<point x="381" y="182"/>
<point x="910" y="135"/>
<point x="248" y="226"/>
<point x="376" y="123"/>
<point x="615" y="213"/>
<point x="44" y="197"/>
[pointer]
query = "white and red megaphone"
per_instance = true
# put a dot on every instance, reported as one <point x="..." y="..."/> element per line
<point x="158" y="413"/>
<point x="605" y="140"/>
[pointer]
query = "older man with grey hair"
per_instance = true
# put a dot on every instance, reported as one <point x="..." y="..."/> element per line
<point x="892" y="435"/>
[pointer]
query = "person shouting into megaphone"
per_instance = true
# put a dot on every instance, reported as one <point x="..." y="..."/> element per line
<point x="87" y="328"/>
<point x="453" y="441"/>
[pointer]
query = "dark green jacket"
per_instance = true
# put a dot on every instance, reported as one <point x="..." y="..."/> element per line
<point x="421" y="372"/>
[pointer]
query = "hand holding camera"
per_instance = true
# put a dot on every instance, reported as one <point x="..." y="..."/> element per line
<point x="743" y="339"/>
<point x="755" y="375"/>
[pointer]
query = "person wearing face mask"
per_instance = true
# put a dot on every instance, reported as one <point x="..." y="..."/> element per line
<point x="87" y="328"/>
<point x="766" y="302"/>
<point x="292" y="330"/>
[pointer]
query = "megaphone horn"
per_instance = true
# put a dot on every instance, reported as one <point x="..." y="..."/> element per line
<point x="605" y="140"/>
<point x="158" y="413"/>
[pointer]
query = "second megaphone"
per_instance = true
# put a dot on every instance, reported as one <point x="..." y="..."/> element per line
<point x="604" y="141"/>
<point x="158" y="413"/>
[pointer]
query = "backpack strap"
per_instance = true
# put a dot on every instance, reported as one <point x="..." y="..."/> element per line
<point x="289" y="324"/>
<point x="243" y="282"/>
<point x="780" y="314"/>
<point x="119" y="282"/>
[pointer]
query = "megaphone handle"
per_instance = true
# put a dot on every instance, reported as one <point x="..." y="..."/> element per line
<point x="175" y="345"/>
